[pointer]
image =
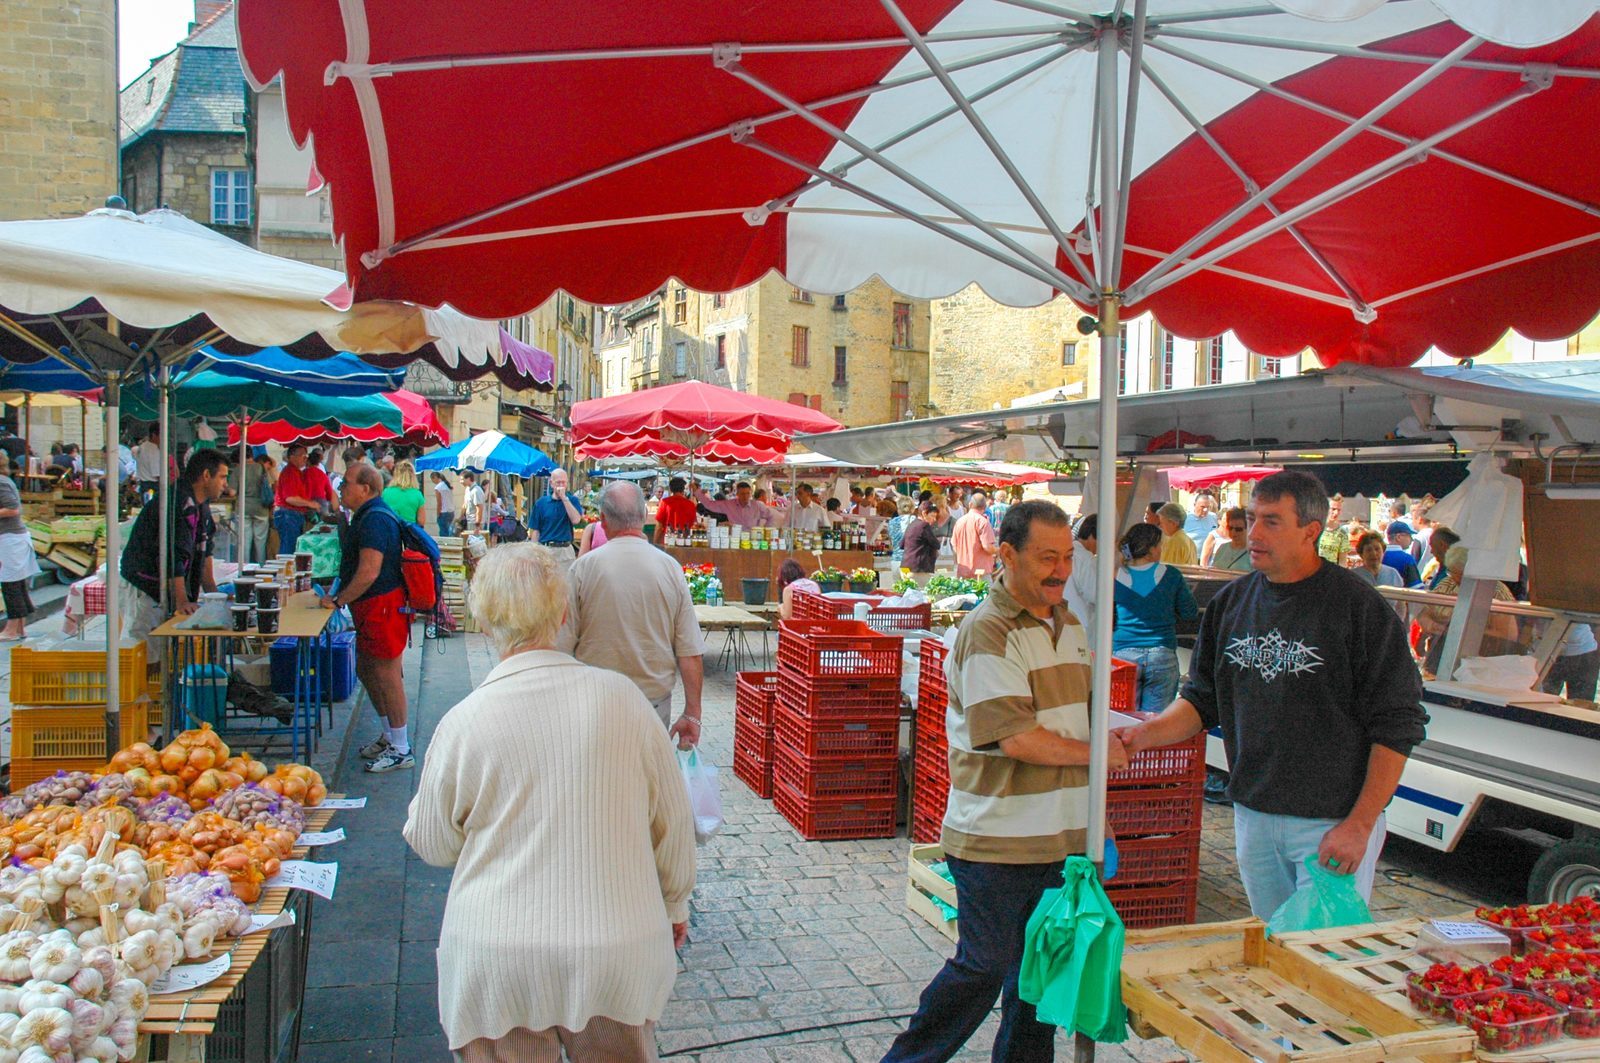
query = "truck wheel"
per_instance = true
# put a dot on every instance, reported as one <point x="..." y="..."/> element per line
<point x="1566" y="870"/>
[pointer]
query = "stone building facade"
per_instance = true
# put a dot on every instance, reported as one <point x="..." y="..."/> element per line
<point x="58" y="107"/>
<point x="861" y="357"/>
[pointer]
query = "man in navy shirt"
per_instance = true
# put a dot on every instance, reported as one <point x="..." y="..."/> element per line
<point x="552" y="517"/>
<point x="1398" y="556"/>
<point x="370" y="583"/>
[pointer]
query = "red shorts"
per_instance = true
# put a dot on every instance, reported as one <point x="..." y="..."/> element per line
<point x="382" y="630"/>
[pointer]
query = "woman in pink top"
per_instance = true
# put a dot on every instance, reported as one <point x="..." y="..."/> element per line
<point x="594" y="537"/>
<point x="792" y="578"/>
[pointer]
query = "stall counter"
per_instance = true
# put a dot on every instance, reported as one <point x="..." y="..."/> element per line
<point x="735" y="566"/>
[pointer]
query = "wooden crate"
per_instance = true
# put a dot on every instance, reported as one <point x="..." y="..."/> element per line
<point x="922" y="884"/>
<point x="1225" y="993"/>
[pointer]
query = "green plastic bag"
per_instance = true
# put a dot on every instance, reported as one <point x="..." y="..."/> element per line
<point x="1072" y="958"/>
<point x="1327" y="900"/>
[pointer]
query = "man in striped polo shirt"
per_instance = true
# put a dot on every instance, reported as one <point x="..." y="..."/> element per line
<point x="1018" y="729"/>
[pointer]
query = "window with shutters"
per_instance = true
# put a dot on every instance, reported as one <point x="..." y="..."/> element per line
<point x="719" y="301"/>
<point x="799" y="295"/>
<point x="816" y="403"/>
<point x="840" y="359"/>
<point x="1214" y="360"/>
<point x="230" y="197"/>
<point x="839" y="303"/>
<point x="899" y="399"/>
<point x="1267" y="367"/>
<point x="800" y="346"/>
<point x="902" y="327"/>
<point x="680" y="359"/>
<point x="1069" y="352"/>
<point x="798" y="398"/>
<point x="722" y="351"/>
<point x="680" y="306"/>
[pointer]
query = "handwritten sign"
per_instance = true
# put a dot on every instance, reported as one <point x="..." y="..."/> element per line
<point x="343" y="802"/>
<point x="305" y="875"/>
<point x="321" y="837"/>
<point x="258" y="923"/>
<point x="183" y="978"/>
<point x="1453" y="931"/>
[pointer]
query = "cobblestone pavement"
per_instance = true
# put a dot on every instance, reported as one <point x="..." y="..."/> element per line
<point x="799" y="950"/>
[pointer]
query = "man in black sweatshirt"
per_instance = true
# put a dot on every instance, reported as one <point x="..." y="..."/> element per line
<point x="1307" y="671"/>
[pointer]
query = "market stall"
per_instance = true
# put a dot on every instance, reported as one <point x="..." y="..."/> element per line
<point x="735" y="566"/>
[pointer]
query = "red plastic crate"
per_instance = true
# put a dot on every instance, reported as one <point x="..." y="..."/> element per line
<point x="837" y="779"/>
<point x="1124" y="685"/>
<point x="837" y="739"/>
<point x="1148" y="907"/>
<point x="1179" y="765"/>
<point x="926" y="829"/>
<point x="1164" y="859"/>
<point x="828" y="648"/>
<point x="842" y="697"/>
<point x="754" y="693"/>
<point x="753" y="772"/>
<point x="808" y="606"/>
<point x="1137" y="813"/>
<point x="826" y="820"/>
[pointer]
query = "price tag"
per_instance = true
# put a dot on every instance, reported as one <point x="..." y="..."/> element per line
<point x="1453" y="931"/>
<point x="305" y="875"/>
<point x="321" y="837"/>
<point x="343" y="802"/>
<point x="258" y="923"/>
<point x="189" y="976"/>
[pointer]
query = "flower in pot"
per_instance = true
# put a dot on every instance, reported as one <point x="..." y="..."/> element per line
<point x="828" y="579"/>
<point x="863" y="580"/>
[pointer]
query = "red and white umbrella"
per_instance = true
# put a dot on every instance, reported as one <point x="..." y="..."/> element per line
<point x="692" y="419"/>
<point x="1195" y="477"/>
<point x="419" y="427"/>
<point x="1363" y="177"/>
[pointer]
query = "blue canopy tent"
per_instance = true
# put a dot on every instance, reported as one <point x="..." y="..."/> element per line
<point x="489" y="452"/>
<point x="343" y="374"/>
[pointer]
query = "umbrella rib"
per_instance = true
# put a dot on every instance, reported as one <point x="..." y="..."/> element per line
<point x="1215" y="16"/>
<point x="359" y="44"/>
<point x="26" y="336"/>
<point x="785" y="202"/>
<point x="1352" y="51"/>
<point x="1305" y="165"/>
<point x="1082" y="18"/>
<point x="1343" y="190"/>
<point x="356" y="71"/>
<point x="996" y="149"/>
<point x="430" y="239"/>
<point x="1135" y="62"/>
<point x="1060" y="280"/>
<point x="1253" y="278"/>
<point x="1443" y="154"/>
<point x="1552" y="249"/>
<point x="1048" y="277"/>
<point x="1358" y="306"/>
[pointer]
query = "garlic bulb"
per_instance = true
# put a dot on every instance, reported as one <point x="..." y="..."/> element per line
<point x="199" y="938"/>
<point x="103" y="1050"/>
<point x="169" y="949"/>
<point x="132" y="996"/>
<point x="51" y="888"/>
<point x="36" y="1054"/>
<point x="125" y="1033"/>
<point x="129" y="862"/>
<point x="87" y="983"/>
<point x="139" y="950"/>
<point x="10" y="1004"/>
<point x="102" y="959"/>
<point x="93" y="938"/>
<point x="128" y="890"/>
<point x="15" y="949"/>
<point x="41" y="995"/>
<point x="87" y="1018"/>
<point x="69" y="865"/>
<point x="55" y="960"/>
<point x="8" y="1022"/>
<point x="98" y="877"/>
<point x="170" y="918"/>
<point x="48" y="1028"/>
<point x="138" y="919"/>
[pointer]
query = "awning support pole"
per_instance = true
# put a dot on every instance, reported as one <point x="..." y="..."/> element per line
<point x="113" y="719"/>
<point x="163" y="484"/>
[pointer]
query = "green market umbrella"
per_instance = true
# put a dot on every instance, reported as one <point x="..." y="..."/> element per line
<point x="212" y="394"/>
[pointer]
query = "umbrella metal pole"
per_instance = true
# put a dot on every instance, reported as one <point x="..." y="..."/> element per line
<point x="163" y="488"/>
<point x="113" y="396"/>
<point x="239" y="552"/>
<point x="27" y="435"/>
<point x="83" y="425"/>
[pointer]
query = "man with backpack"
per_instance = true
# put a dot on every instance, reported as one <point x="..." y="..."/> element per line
<point x="372" y="585"/>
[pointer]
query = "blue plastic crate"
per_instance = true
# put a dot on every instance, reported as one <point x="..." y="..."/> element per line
<point x="344" y="666"/>
<point x="204" y="689"/>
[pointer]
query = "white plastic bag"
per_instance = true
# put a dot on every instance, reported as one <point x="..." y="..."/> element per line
<point x="1498" y="673"/>
<point x="705" y="801"/>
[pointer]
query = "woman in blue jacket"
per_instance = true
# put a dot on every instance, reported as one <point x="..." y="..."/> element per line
<point x="1150" y="600"/>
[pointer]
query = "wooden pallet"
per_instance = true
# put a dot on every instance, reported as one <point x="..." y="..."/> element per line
<point x="1227" y="994"/>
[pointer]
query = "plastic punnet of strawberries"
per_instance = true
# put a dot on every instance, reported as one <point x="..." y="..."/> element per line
<point x="1546" y="966"/>
<point x="1510" y="1021"/>
<point x="1523" y="922"/>
<point x="1582" y="1001"/>
<point x="1431" y="991"/>
<point x="1562" y="941"/>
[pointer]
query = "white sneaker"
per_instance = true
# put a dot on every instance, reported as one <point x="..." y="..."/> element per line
<point x="375" y="748"/>
<point x="392" y="760"/>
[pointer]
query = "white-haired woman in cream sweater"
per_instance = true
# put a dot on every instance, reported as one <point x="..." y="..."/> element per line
<point x="554" y="793"/>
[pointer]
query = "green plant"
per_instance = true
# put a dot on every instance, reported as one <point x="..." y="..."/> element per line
<point x="828" y="575"/>
<point x="942" y="586"/>
<point x="864" y="575"/>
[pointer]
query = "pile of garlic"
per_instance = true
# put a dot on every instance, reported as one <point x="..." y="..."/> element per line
<point x="87" y="937"/>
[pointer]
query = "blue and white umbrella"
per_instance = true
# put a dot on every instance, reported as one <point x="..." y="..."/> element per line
<point x="489" y="452"/>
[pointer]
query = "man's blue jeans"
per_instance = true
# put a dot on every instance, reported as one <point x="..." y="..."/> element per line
<point x="1272" y="850"/>
<point x="994" y="903"/>
<point x="447" y="524"/>
<point x="289" y="524"/>
<point x="1158" y="675"/>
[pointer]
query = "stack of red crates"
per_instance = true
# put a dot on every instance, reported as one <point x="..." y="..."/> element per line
<point x="1153" y="811"/>
<point x="930" y="759"/>
<point x="835" y="768"/>
<point x="754" y="694"/>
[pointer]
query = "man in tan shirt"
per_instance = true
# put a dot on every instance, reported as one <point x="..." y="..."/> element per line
<point x="972" y="539"/>
<point x="630" y="611"/>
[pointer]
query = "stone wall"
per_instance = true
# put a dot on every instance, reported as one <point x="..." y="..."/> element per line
<point x="58" y="107"/>
<point x="186" y="161"/>
<point x="984" y="354"/>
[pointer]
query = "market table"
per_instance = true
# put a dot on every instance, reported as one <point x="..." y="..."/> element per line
<point x="303" y="619"/>
<point x="737" y="623"/>
<point x="735" y="566"/>
<point x="272" y="991"/>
